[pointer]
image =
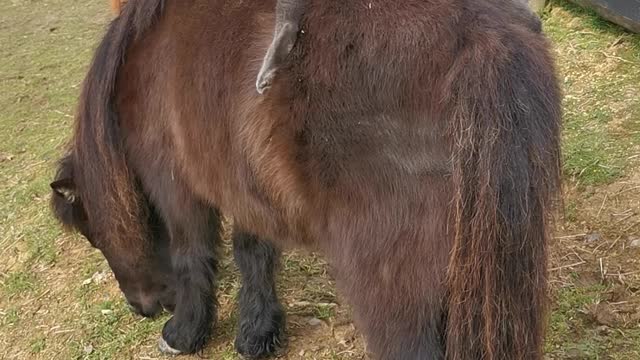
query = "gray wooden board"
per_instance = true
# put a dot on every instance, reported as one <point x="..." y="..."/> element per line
<point x="625" y="13"/>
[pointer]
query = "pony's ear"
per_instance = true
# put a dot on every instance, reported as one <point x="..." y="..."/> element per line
<point x="65" y="188"/>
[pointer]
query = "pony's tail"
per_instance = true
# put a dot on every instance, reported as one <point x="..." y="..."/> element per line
<point x="108" y="187"/>
<point x="507" y="174"/>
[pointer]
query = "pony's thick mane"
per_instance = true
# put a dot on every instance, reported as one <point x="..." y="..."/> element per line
<point x="113" y="204"/>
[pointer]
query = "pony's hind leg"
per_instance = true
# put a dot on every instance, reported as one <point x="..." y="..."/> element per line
<point x="396" y="285"/>
<point x="194" y="230"/>
<point x="398" y="327"/>
<point x="262" y="318"/>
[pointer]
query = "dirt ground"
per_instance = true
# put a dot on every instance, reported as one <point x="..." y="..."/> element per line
<point x="58" y="299"/>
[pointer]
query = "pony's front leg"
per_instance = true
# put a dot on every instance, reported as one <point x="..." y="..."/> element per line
<point x="262" y="318"/>
<point x="195" y="233"/>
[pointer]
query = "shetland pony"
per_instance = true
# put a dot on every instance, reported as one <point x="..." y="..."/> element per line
<point x="414" y="143"/>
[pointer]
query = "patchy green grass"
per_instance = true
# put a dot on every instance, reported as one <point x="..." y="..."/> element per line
<point x="9" y="318"/>
<point x="599" y="64"/>
<point x="18" y="282"/>
<point x="108" y="330"/>
<point x="576" y="329"/>
<point x="38" y="345"/>
<point x="567" y="317"/>
<point x="323" y="311"/>
<point x="600" y="67"/>
<point x="55" y="301"/>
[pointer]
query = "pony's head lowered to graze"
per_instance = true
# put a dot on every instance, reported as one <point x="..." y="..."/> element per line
<point x="148" y="285"/>
<point x="130" y="235"/>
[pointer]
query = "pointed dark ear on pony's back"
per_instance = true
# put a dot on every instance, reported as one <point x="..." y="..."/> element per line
<point x="66" y="189"/>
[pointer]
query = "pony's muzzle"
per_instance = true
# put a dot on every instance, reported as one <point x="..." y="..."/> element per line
<point x="150" y="309"/>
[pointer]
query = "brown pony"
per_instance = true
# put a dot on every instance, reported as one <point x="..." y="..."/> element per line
<point x="414" y="143"/>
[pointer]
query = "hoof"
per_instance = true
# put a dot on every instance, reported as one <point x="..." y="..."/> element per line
<point x="166" y="349"/>
<point x="261" y="346"/>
